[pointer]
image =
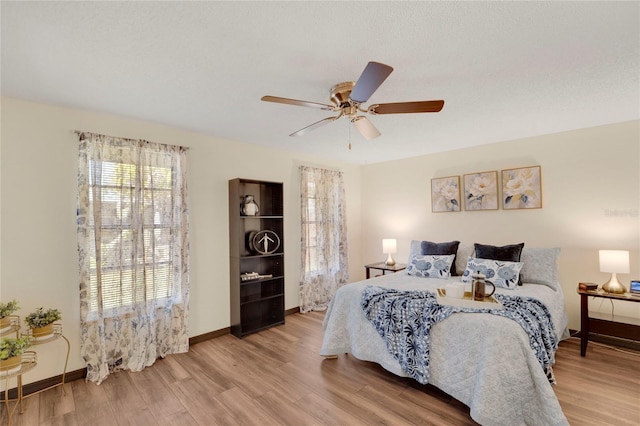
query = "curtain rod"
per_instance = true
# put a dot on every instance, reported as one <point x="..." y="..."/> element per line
<point x="82" y="135"/>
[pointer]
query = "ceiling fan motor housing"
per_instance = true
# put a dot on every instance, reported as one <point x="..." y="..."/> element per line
<point x="340" y="93"/>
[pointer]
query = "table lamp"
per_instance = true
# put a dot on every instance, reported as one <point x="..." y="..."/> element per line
<point x="389" y="246"/>
<point x="614" y="261"/>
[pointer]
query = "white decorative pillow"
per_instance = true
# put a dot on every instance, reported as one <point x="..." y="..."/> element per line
<point x="501" y="273"/>
<point x="540" y="266"/>
<point x="465" y="250"/>
<point x="415" y="248"/>
<point x="430" y="266"/>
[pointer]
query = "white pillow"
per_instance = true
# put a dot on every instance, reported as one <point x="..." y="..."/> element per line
<point x="430" y="265"/>
<point x="540" y="266"/>
<point x="415" y="248"/>
<point x="500" y="273"/>
<point x="465" y="251"/>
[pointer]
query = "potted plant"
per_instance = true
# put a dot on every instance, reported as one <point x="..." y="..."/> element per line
<point x="41" y="321"/>
<point x="11" y="351"/>
<point x="6" y="309"/>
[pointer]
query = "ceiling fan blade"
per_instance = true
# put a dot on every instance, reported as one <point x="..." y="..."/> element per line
<point x="406" y="107"/>
<point x="365" y="127"/>
<point x="370" y="79"/>
<point x="314" y="126"/>
<point x="280" y="100"/>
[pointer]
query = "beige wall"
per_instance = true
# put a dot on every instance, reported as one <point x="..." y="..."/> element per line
<point x="591" y="201"/>
<point x="38" y="175"/>
<point x="585" y="174"/>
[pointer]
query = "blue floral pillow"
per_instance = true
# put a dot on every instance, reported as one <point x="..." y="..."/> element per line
<point x="501" y="273"/>
<point x="430" y="266"/>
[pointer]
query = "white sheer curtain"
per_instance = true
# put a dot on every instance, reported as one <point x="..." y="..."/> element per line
<point x="133" y="253"/>
<point x="324" y="237"/>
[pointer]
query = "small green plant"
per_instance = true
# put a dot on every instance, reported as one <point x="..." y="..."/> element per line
<point x="8" y="308"/>
<point x="11" y="347"/>
<point x="42" y="317"/>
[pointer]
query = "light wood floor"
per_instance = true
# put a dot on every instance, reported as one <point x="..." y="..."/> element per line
<point x="276" y="377"/>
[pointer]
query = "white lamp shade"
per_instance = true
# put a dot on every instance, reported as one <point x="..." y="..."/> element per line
<point x="365" y="127"/>
<point x="389" y="245"/>
<point x="615" y="261"/>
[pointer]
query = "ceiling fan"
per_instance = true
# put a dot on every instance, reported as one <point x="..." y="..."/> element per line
<point x="346" y="99"/>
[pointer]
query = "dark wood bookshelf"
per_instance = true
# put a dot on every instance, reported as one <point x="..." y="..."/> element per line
<point x="256" y="304"/>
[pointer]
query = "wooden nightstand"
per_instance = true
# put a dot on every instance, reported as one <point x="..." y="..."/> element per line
<point x="381" y="266"/>
<point x="603" y="323"/>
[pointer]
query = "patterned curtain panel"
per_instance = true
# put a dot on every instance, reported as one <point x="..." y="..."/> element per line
<point x="324" y="237"/>
<point x="133" y="252"/>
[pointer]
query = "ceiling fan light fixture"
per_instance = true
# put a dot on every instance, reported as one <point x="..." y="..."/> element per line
<point x="346" y="99"/>
<point x="365" y="127"/>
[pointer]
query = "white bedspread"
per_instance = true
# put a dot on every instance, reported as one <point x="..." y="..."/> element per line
<point x="483" y="360"/>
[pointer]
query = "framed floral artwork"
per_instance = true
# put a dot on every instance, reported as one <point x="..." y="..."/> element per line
<point x="481" y="191"/>
<point x="522" y="188"/>
<point x="445" y="194"/>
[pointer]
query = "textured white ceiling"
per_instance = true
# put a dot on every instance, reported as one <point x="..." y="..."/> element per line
<point x="506" y="70"/>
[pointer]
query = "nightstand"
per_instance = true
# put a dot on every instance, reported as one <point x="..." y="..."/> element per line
<point x="381" y="266"/>
<point x="602" y="323"/>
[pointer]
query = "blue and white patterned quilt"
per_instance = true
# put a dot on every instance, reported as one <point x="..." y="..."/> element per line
<point x="404" y="320"/>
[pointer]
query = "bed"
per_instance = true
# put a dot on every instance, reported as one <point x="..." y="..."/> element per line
<point x="482" y="359"/>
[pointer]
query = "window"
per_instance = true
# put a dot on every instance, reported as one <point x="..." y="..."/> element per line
<point x="324" y="237"/>
<point x="133" y="268"/>
<point x="310" y="228"/>
<point x="133" y="253"/>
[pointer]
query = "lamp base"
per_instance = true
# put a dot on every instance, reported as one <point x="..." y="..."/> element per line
<point x="614" y="286"/>
<point x="389" y="261"/>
